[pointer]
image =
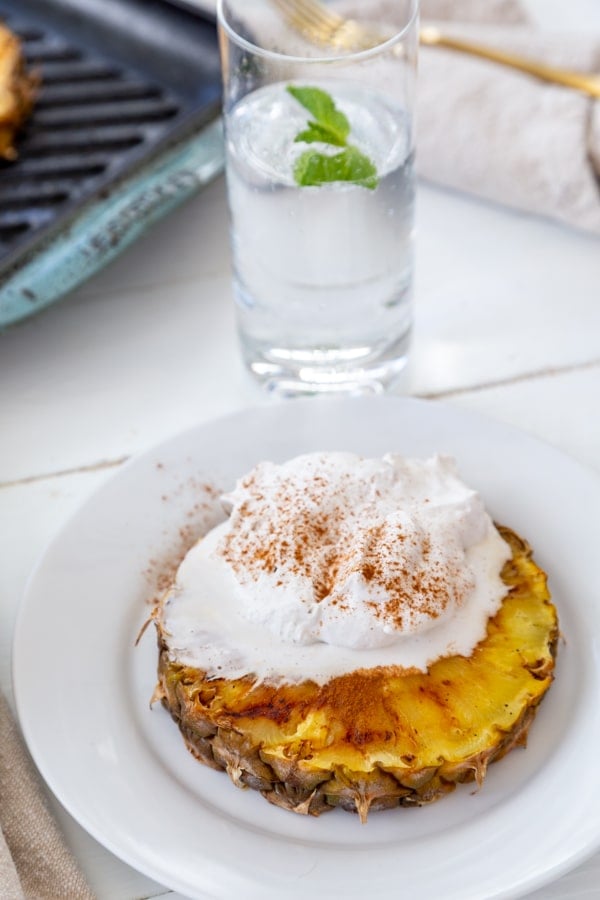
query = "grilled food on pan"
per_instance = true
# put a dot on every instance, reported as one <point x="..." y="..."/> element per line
<point x="17" y="92"/>
<point x="381" y="737"/>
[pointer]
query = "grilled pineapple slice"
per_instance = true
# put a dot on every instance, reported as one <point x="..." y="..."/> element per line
<point x="17" y="92"/>
<point x="382" y="737"/>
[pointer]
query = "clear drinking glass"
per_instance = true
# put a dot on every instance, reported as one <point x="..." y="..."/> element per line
<point x="319" y="144"/>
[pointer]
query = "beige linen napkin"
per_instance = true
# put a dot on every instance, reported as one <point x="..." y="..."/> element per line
<point x="35" y="863"/>
<point x="503" y="135"/>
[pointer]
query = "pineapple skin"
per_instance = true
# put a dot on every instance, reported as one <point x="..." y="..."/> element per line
<point x="383" y="737"/>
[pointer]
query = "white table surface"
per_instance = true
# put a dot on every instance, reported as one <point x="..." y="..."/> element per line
<point x="508" y="323"/>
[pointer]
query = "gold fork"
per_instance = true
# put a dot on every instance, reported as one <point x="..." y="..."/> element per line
<point x="322" y="26"/>
<point x="325" y="27"/>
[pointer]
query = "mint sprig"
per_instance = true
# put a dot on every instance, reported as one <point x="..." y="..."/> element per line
<point x="329" y="126"/>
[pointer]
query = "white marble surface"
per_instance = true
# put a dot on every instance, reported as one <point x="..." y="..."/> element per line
<point x="508" y="323"/>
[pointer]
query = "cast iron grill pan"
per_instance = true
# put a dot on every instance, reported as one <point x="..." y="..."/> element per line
<point x="120" y="81"/>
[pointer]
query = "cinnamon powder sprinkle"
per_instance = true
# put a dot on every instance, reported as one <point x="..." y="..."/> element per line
<point x="306" y="529"/>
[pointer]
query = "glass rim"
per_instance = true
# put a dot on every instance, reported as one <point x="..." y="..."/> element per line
<point x="275" y="55"/>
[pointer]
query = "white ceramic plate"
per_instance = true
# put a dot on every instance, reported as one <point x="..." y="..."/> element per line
<point x="82" y="688"/>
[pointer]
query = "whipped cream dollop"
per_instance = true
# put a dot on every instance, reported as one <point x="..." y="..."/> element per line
<point x="332" y="562"/>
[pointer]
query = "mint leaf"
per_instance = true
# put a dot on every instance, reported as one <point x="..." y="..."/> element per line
<point x="331" y="127"/>
<point x="313" y="169"/>
<point x="316" y="133"/>
<point x="331" y="122"/>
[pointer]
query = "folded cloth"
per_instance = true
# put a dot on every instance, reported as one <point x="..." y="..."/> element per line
<point x="501" y="134"/>
<point x="505" y="12"/>
<point x="35" y="863"/>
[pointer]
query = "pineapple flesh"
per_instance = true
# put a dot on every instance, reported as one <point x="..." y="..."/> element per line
<point x="17" y="92"/>
<point x="382" y="737"/>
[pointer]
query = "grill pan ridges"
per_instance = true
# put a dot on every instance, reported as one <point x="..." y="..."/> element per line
<point x="113" y="117"/>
